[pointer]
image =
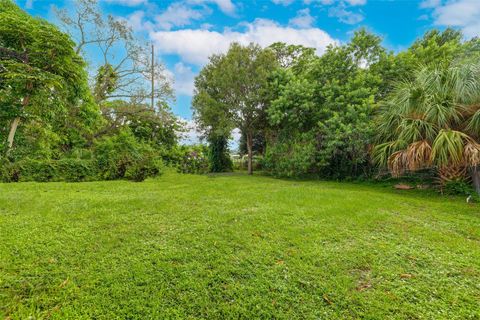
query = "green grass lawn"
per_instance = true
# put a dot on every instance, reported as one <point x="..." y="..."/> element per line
<point x="234" y="246"/>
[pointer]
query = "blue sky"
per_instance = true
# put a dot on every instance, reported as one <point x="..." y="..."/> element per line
<point x="186" y="32"/>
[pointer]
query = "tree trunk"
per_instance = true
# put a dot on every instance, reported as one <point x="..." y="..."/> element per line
<point x="11" y="134"/>
<point x="16" y="121"/>
<point x="250" y="152"/>
<point x="476" y="179"/>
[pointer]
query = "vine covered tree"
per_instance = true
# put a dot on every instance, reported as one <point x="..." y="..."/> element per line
<point x="230" y="93"/>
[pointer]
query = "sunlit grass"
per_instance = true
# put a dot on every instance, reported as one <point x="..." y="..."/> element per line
<point x="234" y="246"/>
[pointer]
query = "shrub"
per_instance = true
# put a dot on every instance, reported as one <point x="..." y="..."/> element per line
<point x="144" y="168"/>
<point x="33" y="170"/>
<point x="290" y="159"/>
<point x="47" y="170"/>
<point x="194" y="160"/>
<point x="122" y="156"/>
<point x="457" y="187"/>
<point x="75" y="170"/>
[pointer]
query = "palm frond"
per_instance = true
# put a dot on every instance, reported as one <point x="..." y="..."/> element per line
<point x="397" y="163"/>
<point x="382" y="152"/>
<point x="447" y="148"/>
<point x="471" y="154"/>
<point x="415" y="129"/>
<point x="473" y="125"/>
<point x="418" y="155"/>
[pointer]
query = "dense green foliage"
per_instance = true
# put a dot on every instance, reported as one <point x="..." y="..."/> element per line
<point x="322" y="115"/>
<point x="230" y="92"/>
<point x="235" y="247"/>
<point x="45" y="103"/>
<point x="433" y="120"/>
<point x="54" y="127"/>
<point x="115" y="157"/>
<point x="318" y="115"/>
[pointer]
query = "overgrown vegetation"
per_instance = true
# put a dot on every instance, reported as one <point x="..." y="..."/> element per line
<point x="320" y="116"/>
<point x="351" y="113"/>
<point x="54" y="126"/>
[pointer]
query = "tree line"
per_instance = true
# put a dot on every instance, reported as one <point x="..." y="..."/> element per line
<point x="357" y="111"/>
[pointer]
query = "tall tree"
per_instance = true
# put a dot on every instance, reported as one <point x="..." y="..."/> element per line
<point x="322" y="115"/>
<point x="230" y="92"/>
<point x="42" y="76"/>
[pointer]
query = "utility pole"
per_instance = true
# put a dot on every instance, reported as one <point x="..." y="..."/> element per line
<point x="153" y="77"/>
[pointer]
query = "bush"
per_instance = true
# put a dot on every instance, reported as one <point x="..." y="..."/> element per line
<point x="194" y="160"/>
<point x="290" y="159"/>
<point x="122" y="156"/>
<point x="47" y="170"/>
<point x="458" y="187"/>
<point x="33" y="170"/>
<point x="144" y="168"/>
<point x="76" y="170"/>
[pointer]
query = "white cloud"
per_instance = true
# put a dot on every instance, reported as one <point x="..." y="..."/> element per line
<point x="459" y="13"/>
<point x="345" y="15"/>
<point x="184" y="78"/>
<point x="226" y="6"/>
<point x="196" y="45"/>
<point x="135" y="20"/>
<point x="178" y="15"/>
<point x="283" y="2"/>
<point x="356" y="2"/>
<point x="340" y="9"/>
<point x="192" y="135"/>
<point x="128" y="3"/>
<point x="303" y="19"/>
<point x="29" y="4"/>
<point x="430" y="3"/>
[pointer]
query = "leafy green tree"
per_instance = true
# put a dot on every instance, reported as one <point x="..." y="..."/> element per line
<point x="47" y="85"/>
<point x="230" y="92"/>
<point x="433" y="120"/>
<point x="156" y="126"/>
<point x="325" y="112"/>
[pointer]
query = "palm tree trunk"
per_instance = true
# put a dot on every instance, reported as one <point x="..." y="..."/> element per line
<point x="476" y="178"/>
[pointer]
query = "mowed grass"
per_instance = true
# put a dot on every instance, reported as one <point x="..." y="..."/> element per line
<point x="234" y="246"/>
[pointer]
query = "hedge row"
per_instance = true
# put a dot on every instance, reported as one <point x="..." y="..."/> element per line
<point x="76" y="170"/>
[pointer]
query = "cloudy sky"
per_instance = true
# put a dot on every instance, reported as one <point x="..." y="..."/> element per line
<point x="186" y="33"/>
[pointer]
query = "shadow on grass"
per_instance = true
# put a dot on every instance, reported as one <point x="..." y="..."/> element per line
<point x="366" y="186"/>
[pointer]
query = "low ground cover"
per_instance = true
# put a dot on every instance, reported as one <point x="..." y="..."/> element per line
<point x="235" y="246"/>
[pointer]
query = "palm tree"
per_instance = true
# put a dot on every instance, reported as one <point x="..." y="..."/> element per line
<point x="433" y="121"/>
